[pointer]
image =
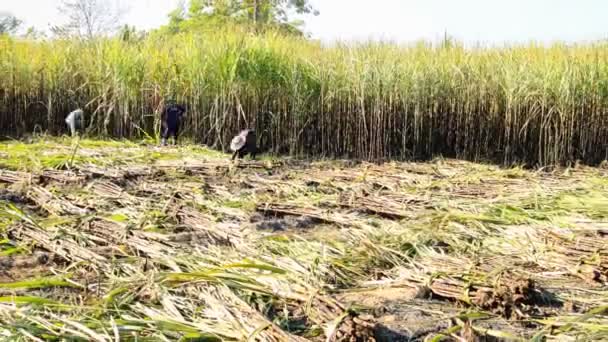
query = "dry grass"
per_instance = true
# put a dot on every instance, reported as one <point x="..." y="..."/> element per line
<point x="177" y="243"/>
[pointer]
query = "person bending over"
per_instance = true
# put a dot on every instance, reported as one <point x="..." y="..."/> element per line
<point x="74" y="120"/>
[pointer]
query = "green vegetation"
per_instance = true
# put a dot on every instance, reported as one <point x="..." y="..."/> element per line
<point x="64" y="153"/>
<point x="119" y="239"/>
<point x="186" y="245"/>
<point x="530" y="104"/>
<point x="254" y="16"/>
<point x="8" y="23"/>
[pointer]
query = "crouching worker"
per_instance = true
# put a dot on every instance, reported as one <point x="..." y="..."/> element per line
<point x="75" y="121"/>
<point x="172" y="117"/>
<point x="243" y="144"/>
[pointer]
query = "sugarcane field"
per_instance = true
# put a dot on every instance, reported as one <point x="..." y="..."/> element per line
<point x="250" y="170"/>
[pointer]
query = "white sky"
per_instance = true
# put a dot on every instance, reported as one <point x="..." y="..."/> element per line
<point x="488" y="21"/>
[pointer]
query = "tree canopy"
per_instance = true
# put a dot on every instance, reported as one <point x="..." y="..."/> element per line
<point x="8" y="23"/>
<point x="256" y="14"/>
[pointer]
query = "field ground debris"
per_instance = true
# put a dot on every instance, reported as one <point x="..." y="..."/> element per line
<point x="111" y="240"/>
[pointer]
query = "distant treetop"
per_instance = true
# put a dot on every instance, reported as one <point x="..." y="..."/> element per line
<point x="8" y="23"/>
<point x="199" y="15"/>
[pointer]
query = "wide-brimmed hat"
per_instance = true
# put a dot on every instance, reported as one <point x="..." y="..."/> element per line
<point x="237" y="142"/>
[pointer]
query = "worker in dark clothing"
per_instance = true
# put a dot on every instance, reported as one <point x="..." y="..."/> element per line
<point x="171" y="121"/>
<point x="244" y="143"/>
